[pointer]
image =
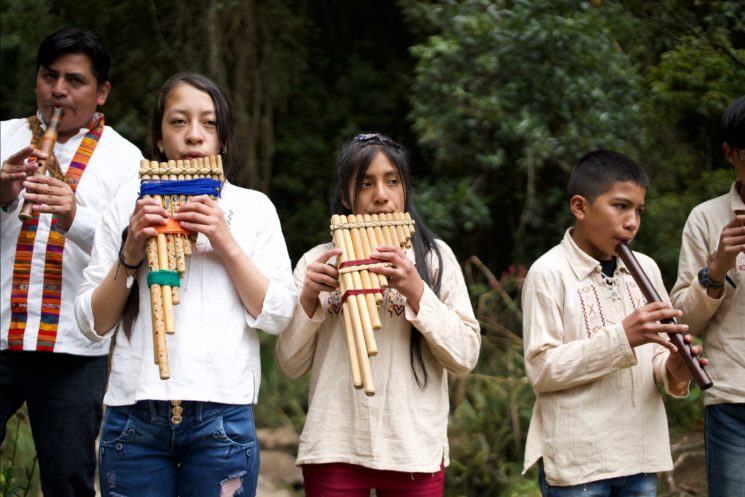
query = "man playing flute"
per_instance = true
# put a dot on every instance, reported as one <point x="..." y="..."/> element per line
<point x="44" y="360"/>
<point x="711" y="292"/>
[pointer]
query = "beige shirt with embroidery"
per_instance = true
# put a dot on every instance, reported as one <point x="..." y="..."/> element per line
<point x="720" y="321"/>
<point x="401" y="427"/>
<point x="598" y="413"/>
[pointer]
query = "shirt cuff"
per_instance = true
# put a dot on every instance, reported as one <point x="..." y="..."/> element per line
<point x="678" y="390"/>
<point x="427" y="302"/>
<point x="11" y="207"/>
<point x="84" y="316"/>
<point x="276" y="312"/>
<point x="626" y="351"/>
<point x="82" y="229"/>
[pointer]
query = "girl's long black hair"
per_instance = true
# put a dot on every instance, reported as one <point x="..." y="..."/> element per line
<point x="355" y="158"/>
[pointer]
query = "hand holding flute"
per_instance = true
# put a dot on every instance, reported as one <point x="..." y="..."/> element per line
<point x="45" y="194"/>
<point x="655" y="317"/>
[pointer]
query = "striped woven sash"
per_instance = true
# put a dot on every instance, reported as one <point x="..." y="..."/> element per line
<point x="51" y="298"/>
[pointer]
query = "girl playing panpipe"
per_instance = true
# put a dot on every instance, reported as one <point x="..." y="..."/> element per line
<point x="192" y="435"/>
<point x="396" y="440"/>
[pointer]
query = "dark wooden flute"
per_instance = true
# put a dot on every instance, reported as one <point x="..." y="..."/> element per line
<point x="700" y="376"/>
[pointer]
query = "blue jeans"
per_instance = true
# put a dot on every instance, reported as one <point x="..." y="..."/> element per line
<point x="212" y="452"/>
<point x="638" y="485"/>
<point x="64" y="395"/>
<point x="724" y="435"/>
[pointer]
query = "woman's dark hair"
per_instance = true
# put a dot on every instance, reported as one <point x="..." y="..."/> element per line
<point x="223" y="114"/>
<point x="356" y="156"/>
<point x="73" y="40"/>
<point x="224" y="118"/>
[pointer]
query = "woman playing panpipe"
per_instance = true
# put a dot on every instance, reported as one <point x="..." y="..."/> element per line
<point x="390" y="435"/>
<point x="192" y="434"/>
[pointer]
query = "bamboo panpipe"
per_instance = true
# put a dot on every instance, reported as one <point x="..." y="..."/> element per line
<point x="361" y="289"/>
<point x="168" y="251"/>
<point x="46" y="145"/>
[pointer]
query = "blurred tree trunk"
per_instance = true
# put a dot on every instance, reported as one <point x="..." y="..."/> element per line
<point x="248" y="42"/>
<point x="234" y="45"/>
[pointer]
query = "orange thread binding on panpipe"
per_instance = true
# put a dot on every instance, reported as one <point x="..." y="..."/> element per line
<point x="172" y="226"/>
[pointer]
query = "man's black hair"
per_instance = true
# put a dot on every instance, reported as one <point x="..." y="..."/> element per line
<point x="71" y="41"/>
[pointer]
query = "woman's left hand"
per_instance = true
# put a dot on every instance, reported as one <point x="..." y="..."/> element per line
<point x="201" y="214"/>
<point x="402" y="275"/>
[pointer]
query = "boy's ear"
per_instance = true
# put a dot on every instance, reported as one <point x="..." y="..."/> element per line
<point x="578" y="206"/>
<point x="728" y="153"/>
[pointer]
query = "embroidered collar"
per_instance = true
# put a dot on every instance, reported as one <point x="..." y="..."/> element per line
<point x="580" y="261"/>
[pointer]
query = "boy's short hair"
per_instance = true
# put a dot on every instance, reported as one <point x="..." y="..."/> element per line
<point x="596" y="172"/>
<point x="71" y="41"/>
<point x="733" y="124"/>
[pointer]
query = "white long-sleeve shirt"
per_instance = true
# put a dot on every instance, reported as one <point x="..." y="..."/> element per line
<point x="721" y="322"/>
<point x="214" y="353"/>
<point x="113" y="166"/>
<point x="401" y="427"/>
<point x="598" y="413"/>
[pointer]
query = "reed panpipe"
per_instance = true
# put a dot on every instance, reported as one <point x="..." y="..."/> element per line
<point x="362" y="289"/>
<point x="167" y="251"/>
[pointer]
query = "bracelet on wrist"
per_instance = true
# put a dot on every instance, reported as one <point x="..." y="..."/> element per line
<point x="706" y="281"/>
<point x="121" y="253"/>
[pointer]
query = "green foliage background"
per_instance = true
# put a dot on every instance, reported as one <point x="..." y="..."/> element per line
<point x="495" y="101"/>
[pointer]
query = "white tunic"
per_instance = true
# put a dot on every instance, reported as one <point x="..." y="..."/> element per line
<point x="401" y="427"/>
<point x="113" y="166"/>
<point x="214" y="354"/>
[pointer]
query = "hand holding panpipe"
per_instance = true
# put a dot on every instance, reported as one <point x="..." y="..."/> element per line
<point x="171" y="184"/>
<point x="699" y="374"/>
<point x="46" y="145"/>
<point x="361" y="289"/>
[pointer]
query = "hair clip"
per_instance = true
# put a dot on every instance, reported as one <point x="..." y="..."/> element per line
<point x="375" y="138"/>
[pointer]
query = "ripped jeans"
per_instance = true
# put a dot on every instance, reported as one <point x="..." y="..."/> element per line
<point x="212" y="452"/>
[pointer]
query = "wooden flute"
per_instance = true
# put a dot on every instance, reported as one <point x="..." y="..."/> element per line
<point x="700" y="376"/>
<point x="46" y="145"/>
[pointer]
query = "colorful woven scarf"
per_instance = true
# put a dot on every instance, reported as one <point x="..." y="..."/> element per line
<point x="52" y="286"/>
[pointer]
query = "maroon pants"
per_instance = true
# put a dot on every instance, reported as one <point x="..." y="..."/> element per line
<point x="350" y="480"/>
